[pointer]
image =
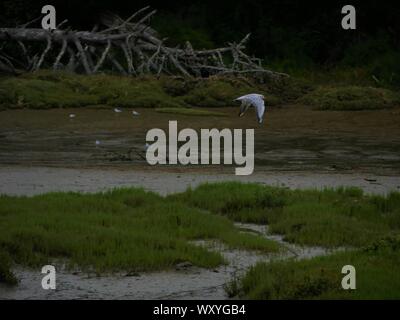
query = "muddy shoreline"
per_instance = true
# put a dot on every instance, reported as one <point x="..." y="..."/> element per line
<point x="293" y="138"/>
<point x="46" y="151"/>
<point x="187" y="282"/>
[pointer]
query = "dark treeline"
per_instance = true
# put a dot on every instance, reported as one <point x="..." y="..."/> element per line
<point x="286" y="34"/>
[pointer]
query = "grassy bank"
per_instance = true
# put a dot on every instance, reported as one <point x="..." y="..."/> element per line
<point x="330" y="218"/>
<point x="351" y="98"/>
<point x="344" y="217"/>
<point x="127" y="229"/>
<point x="134" y="230"/>
<point x="191" y="112"/>
<point x="48" y="89"/>
<point x="377" y="276"/>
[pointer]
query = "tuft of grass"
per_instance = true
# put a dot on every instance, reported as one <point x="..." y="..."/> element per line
<point x="48" y="89"/>
<point x="329" y="217"/>
<point x="6" y="275"/>
<point x="41" y="94"/>
<point x="215" y="93"/>
<point x="247" y="202"/>
<point x="351" y="98"/>
<point x="377" y="276"/>
<point x="191" y="112"/>
<point x="221" y="91"/>
<point x="144" y="92"/>
<point x="288" y="90"/>
<point x="124" y="229"/>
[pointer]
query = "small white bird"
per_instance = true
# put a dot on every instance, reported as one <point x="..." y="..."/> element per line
<point x="253" y="99"/>
<point x="135" y="113"/>
<point x="72" y="115"/>
<point x="117" y="110"/>
<point x="97" y="142"/>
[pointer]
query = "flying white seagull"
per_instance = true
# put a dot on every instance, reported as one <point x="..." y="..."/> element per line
<point x="253" y="99"/>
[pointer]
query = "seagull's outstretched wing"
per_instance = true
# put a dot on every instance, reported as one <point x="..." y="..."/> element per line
<point x="243" y="107"/>
<point x="260" y="109"/>
<point x="257" y="101"/>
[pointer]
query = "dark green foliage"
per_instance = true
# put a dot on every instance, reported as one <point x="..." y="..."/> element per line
<point x="48" y="89"/>
<point x="377" y="276"/>
<point x="192" y="112"/>
<point x="178" y="31"/>
<point x="341" y="217"/>
<point x="351" y="98"/>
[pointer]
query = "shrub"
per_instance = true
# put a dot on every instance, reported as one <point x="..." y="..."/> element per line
<point x="351" y="98"/>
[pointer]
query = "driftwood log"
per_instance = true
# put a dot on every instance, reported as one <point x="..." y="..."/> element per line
<point x="129" y="47"/>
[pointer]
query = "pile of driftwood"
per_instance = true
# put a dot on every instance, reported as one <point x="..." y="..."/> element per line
<point x="129" y="47"/>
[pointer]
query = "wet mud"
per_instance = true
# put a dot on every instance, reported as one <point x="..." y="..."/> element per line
<point x="291" y="138"/>
<point x="296" y="147"/>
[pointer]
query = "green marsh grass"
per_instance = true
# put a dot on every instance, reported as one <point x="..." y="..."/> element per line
<point x="330" y="217"/>
<point x="134" y="230"/>
<point x="351" y="98"/>
<point x="6" y="275"/>
<point x="191" y="112"/>
<point x="48" y="89"/>
<point x="124" y="229"/>
<point x="377" y="276"/>
<point x="333" y="90"/>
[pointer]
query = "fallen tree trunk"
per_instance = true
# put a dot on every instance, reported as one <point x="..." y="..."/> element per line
<point x="36" y="34"/>
<point x="124" y="46"/>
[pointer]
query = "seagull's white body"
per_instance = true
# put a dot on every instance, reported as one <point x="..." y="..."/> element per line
<point x="117" y="110"/>
<point x="253" y="99"/>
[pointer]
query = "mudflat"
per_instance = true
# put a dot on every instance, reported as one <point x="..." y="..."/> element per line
<point x="292" y="138"/>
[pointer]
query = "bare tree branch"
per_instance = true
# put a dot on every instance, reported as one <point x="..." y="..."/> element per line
<point x="129" y="43"/>
<point x="102" y="58"/>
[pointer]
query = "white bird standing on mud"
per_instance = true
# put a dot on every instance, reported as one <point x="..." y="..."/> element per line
<point x="253" y="99"/>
